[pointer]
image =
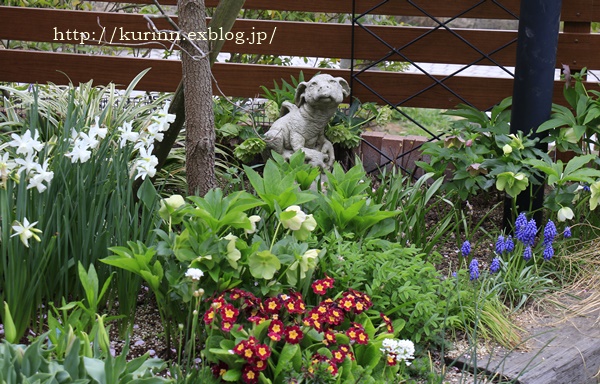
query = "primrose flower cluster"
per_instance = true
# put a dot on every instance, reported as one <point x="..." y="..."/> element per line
<point x="285" y="319"/>
<point x="525" y="235"/>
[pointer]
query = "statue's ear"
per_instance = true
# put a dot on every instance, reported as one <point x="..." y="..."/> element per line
<point x="299" y="98"/>
<point x="344" y="85"/>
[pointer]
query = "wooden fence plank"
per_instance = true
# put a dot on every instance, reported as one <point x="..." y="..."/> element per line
<point x="244" y="80"/>
<point x="573" y="10"/>
<point x="279" y="38"/>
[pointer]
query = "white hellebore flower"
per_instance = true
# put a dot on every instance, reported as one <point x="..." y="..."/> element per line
<point x="26" y="231"/>
<point x="233" y="254"/>
<point x="295" y="222"/>
<point x="169" y="205"/>
<point x="194" y="273"/>
<point x="253" y="220"/>
<point x="565" y="213"/>
<point x="507" y="149"/>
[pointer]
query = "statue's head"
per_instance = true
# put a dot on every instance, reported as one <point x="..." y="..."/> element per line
<point x="322" y="89"/>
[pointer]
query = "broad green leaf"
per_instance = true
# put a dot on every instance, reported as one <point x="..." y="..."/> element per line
<point x="577" y="162"/>
<point x="287" y="354"/>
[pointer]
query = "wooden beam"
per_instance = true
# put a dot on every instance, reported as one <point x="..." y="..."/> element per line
<point x="282" y="38"/>
<point x="245" y="80"/>
<point x="505" y="9"/>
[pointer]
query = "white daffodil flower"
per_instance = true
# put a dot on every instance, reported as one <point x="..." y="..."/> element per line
<point x="127" y="134"/>
<point x="26" y="144"/>
<point x="26" y="231"/>
<point x="96" y="130"/>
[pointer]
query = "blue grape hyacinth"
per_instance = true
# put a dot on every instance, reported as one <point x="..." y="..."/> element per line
<point x="466" y="248"/>
<point x="500" y="245"/>
<point x="495" y="265"/>
<point x="509" y="244"/>
<point x="474" y="269"/>
<point x="549" y="233"/>
<point x="567" y="233"/>
<point x="527" y="253"/>
<point x="548" y="252"/>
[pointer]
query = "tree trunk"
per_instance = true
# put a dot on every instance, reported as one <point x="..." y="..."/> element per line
<point x="199" y="116"/>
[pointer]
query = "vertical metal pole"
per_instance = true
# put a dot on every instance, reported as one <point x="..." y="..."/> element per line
<point x="537" y="43"/>
<point x="352" y="51"/>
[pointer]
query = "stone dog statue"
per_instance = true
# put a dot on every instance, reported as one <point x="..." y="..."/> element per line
<point x="301" y="127"/>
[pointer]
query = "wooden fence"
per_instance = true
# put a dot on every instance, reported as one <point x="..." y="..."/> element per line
<point x="578" y="47"/>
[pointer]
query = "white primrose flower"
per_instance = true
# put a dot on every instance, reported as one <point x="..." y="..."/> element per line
<point x="194" y="273"/>
<point x="26" y="144"/>
<point x="127" y="134"/>
<point x="295" y="222"/>
<point x="401" y="350"/>
<point x="26" y="231"/>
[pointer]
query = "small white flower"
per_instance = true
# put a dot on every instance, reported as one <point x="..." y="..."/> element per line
<point x="155" y="133"/>
<point x="127" y="134"/>
<point x="164" y="118"/>
<point x="80" y="152"/>
<point x="95" y="129"/>
<point x="37" y="182"/>
<point x="565" y="213"/>
<point x="6" y="166"/>
<point x="42" y="170"/>
<point x="144" y="140"/>
<point x="253" y="220"/>
<point x="194" y="273"/>
<point x="507" y="149"/>
<point x="26" y="231"/>
<point x="295" y="222"/>
<point x="26" y="144"/>
<point x="146" y="164"/>
<point x="27" y="164"/>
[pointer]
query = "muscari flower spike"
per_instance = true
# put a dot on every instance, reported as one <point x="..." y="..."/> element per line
<point x="474" y="269"/>
<point x="567" y="232"/>
<point x="548" y="252"/>
<point x="466" y="248"/>
<point x="495" y="265"/>
<point x="509" y="244"/>
<point x="500" y="245"/>
<point x="527" y="253"/>
<point x="549" y="233"/>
